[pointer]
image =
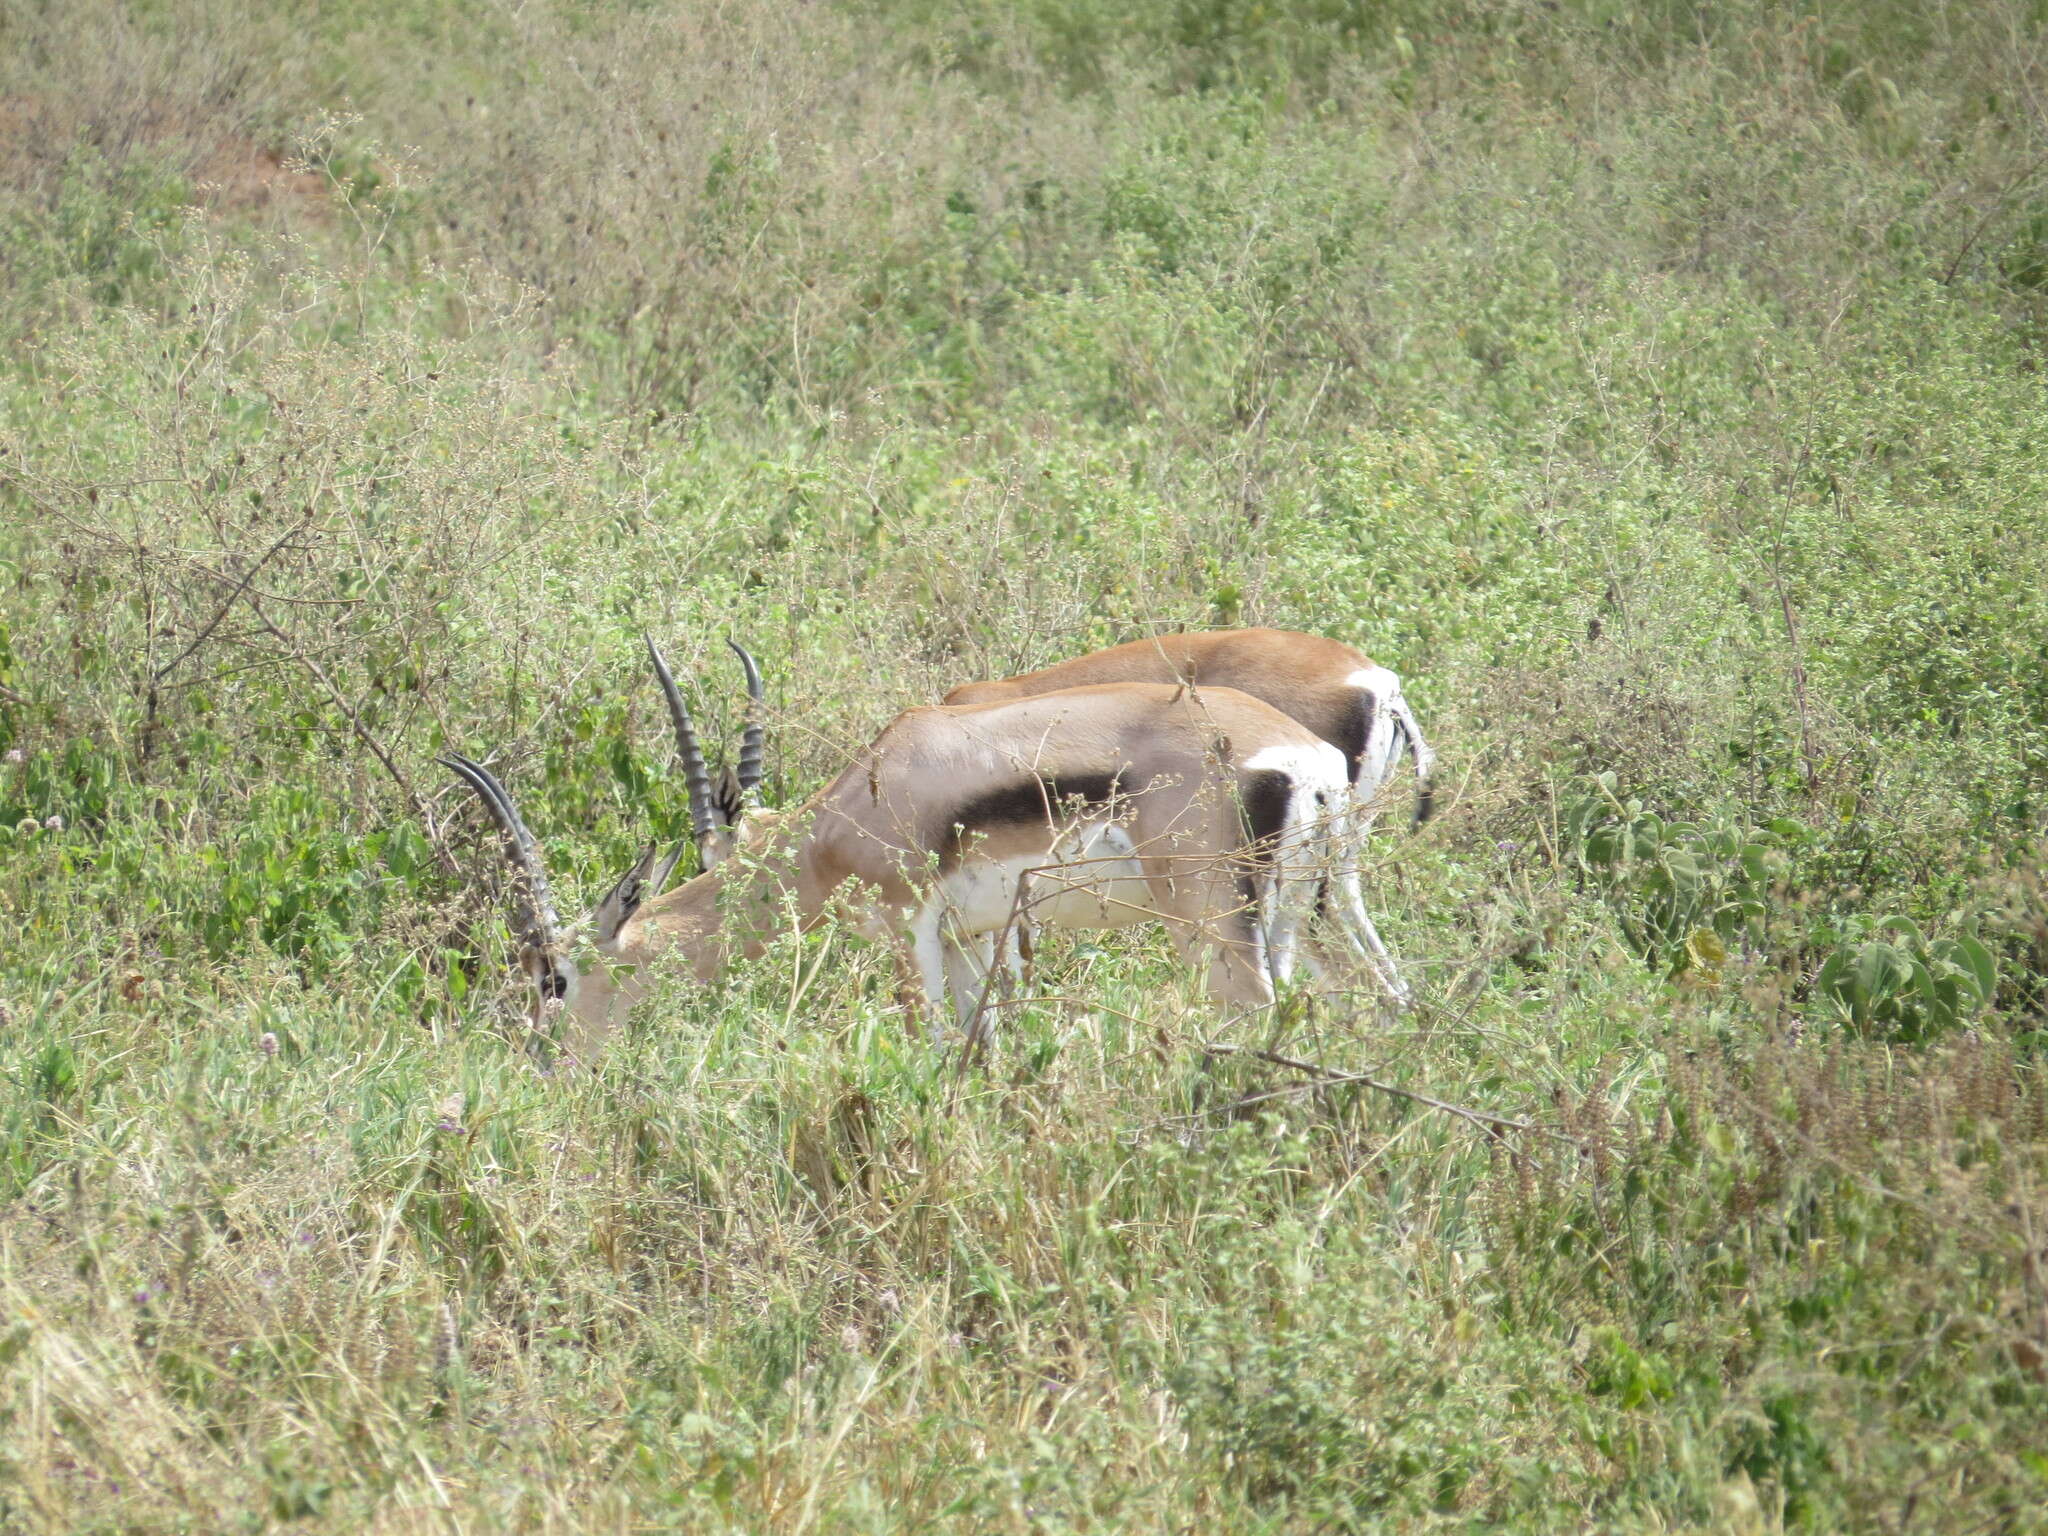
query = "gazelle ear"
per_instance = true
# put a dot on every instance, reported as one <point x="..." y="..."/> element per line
<point x="624" y="898"/>
<point x="729" y="795"/>
<point x="658" y="881"/>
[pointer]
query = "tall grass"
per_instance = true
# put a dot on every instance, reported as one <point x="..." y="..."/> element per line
<point x="1656" y="387"/>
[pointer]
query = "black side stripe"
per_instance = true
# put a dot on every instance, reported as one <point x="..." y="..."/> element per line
<point x="1024" y="803"/>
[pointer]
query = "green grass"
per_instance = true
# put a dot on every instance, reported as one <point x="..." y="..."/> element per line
<point x="1656" y="388"/>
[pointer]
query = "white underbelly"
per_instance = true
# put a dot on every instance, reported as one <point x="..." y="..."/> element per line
<point x="1091" y="879"/>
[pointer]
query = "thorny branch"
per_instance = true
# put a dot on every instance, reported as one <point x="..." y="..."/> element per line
<point x="364" y="734"/>
<point x="1323" y="1077"/>
<point x="240" y="586"/>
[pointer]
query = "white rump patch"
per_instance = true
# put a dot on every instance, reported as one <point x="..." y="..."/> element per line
<point x="1311" y="765"/>
<point x="1377" y="681"/>
<point x="1376" y="761"/>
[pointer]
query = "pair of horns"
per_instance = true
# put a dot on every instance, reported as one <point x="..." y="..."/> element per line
<point x="535" y="917"/>
<point x="712" y="811"/>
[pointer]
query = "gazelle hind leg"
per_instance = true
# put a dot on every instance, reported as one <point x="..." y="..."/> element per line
<point x="1234" y="946"/>
<point x="1286" y="902"/>
<point x="1238" y="979"/>
<point x="1341" y="894"/>
<point x="1348" y="907"/>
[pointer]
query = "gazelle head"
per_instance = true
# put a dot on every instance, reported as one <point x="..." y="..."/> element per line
<point x="590" y="993"/>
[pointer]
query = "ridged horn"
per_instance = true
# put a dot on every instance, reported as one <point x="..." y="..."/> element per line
<point x="536" y="917"/>
<point x="703" y="815"/>
<point x="752" y="737"/>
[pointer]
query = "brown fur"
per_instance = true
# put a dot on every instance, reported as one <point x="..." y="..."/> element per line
<point x="1302" y="676"/>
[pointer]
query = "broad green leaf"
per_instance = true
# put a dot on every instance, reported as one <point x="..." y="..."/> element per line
<point x="1879" y="971"/>
<point x="1977" y="960"/>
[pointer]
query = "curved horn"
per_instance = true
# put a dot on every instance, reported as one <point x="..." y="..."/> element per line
<point x="751" y="738"/>
<point x="537" y="918"/>
<point x="703" y="815"/>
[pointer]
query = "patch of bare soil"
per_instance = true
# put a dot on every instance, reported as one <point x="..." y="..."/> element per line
<point x="230" y="171"/>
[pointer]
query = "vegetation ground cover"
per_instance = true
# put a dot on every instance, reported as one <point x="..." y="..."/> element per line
<point x="1657" y="388"/>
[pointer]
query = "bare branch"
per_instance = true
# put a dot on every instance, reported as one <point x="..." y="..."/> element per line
<point x="1323" y="1077"/>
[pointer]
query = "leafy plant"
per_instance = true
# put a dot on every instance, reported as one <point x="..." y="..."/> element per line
<point x="1683" y="892"/>
<point x="1886" y="977"/>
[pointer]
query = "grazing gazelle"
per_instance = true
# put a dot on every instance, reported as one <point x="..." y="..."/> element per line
<point x="1095" y="808"/>
<point x="1339" y="693"/>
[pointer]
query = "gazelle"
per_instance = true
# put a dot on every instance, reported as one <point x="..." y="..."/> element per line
<point x="1097" y="807"/>
<point x="1339" y="693"/>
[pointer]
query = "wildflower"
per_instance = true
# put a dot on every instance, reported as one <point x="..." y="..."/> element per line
<point x="449" y="1113"/>
<point x="13" y="759"/>
<point x="268" y="1044"/>
<point x="53" y="824"/>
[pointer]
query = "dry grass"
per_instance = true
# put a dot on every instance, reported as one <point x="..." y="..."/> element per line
<point x="1658" y="392"/>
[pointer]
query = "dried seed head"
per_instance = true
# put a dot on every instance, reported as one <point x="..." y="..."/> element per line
<point x="447" y="1340"/>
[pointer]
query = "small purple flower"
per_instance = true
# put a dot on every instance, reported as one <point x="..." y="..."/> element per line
<point x="1508" y="845"/>
<point x="53" y="823"/>
<point x="449" y="1113"/>
<point x="268" y="1044"/>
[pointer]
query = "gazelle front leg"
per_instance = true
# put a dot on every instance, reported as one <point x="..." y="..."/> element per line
<point x="970" y="969"/>
<point x="953" y="968"/>
<point x="929" y="952"/>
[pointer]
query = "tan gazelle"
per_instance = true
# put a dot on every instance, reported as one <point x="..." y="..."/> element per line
<point x="1096" y="807"/>
<point x="1339" y="693"/>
